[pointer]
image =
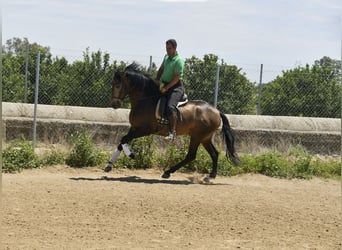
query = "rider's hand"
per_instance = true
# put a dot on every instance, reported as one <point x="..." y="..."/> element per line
<point x="163" y="90"/>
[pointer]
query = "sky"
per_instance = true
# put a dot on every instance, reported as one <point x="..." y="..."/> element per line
<point x="280" y="34"/>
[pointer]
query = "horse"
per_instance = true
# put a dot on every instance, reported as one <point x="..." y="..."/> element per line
<point x="196" y="118"/>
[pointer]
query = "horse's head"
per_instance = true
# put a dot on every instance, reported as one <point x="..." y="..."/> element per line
<point x="120" y="87"/>
<point x="134" y="83"/>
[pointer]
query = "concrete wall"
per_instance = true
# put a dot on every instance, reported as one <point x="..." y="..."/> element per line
<point x="320" y="135"/>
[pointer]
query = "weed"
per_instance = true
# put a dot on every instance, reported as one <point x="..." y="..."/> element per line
<point x="145" y="156"/>
<point x="19" y="155"/>
<point x="53" y="158"/>
<point x="296" y="162"/>
<point x="84" y="153"/>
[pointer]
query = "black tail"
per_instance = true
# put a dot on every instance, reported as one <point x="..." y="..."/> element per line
<point x="229" y="139"/>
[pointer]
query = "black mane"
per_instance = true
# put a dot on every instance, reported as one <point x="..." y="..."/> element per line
<point x="135" y="67"/>
<point x="140" y="79"/>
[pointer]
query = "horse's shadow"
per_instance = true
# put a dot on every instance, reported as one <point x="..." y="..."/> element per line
<point x="136" y="179"/>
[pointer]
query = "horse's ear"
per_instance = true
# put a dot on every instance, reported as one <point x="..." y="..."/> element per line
<point x="124" y="74"/>
<point x="117" y="75"/>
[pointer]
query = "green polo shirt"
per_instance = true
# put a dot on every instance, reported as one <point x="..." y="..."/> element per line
<point x="172" y="66"/>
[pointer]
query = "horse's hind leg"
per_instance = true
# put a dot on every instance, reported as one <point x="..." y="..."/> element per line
<point x="208" y="145"/>
<point x="189" y="157"/>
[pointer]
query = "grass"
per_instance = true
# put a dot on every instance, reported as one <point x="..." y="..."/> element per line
<point x="295" y="162"/>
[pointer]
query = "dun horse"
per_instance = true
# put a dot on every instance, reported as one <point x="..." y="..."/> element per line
<point x="196" y="118"/>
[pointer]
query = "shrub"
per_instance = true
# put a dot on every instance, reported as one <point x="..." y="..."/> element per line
<point x="84" y="153"/>
<point x="52" y="158"/>
<point x="295" y="163"/>
<point x="19" y="155"/>
<point x="172" y="155"/>
<point x="271" y="164"/>
<point x="326" y="169"/>
<point x="145" y="154"/>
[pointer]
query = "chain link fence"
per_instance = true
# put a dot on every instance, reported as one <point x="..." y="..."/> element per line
<point x="312" y="90"/>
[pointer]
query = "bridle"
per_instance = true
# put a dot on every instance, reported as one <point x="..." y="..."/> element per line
<point x="123" y="88"/>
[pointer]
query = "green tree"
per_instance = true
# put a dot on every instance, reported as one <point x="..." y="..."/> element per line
<point x="87" y="82"/>
<point x="236" y="93"/>
<point x="83" y="83"/>
<point x="312" y="91"/>
<point x="12" y="79"/>
<point x="14" y="59"/>
<point x="334" y="65"/>
<point x="53" y="79"/>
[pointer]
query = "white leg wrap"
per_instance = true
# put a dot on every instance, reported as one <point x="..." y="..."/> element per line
<point x="126" y="149"/>
<point x="115" y="156"/>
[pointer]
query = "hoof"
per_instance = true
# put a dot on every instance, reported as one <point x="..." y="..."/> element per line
<point x="132" y="156"/>
<point x="166" y="175"/>
<point x="212" y="176"/>
<point x="236" y="162"/>
<point x="208" y="179"/>
<point x="108" y="168"/>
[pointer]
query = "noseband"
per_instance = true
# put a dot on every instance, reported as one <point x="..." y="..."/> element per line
<point x="121" y="90"/>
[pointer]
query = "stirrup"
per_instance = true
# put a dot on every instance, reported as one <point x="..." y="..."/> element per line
<point x="170" y="137"/>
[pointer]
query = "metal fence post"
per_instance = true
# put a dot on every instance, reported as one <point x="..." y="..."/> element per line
<point x="150" y="68"/>
<point x="341" y="108"/>
<point x="216" y="85"/>
<point x="36" y="101"/>
<point x="260" y="87"/>
<point x="26" y="73"/>
<point x="1" y="125"/>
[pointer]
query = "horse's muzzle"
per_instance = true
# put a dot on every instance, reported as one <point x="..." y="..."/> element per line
<point x="116" y="103"/>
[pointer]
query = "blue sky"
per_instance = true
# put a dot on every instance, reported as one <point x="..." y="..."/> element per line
<point x="280" y="34"/>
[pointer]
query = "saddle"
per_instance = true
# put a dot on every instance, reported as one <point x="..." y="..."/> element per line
<point x="162" y="105"/>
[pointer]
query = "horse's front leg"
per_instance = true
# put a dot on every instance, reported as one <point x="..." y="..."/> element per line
<point x="191" y="155"/>
<point x="117" y="153"/>
<point x="123" y="146"/>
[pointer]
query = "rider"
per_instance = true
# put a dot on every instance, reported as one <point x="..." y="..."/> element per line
<point x="171" y="75"/>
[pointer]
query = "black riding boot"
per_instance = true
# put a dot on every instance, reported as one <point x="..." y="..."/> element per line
<point x="172" y="124"/>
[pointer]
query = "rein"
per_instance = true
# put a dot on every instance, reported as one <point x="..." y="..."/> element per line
<point x="148" y="97"/>
<point x="137" y="78"/>
<point x="140" y="98"/>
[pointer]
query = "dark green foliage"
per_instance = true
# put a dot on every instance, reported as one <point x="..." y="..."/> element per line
<point x="84" y="152"/>
<point x="82" y="83"/>
<point x="297" y="163"/>
<point x="326" y="169"/>
<point x="271" y="164"/>
<point x="53" y="158"/>
<point x="87" y="82"/>
<point x="237" y="95"/>
<point x="172" y="155"/>
<point x="302" y="165"/>
<point x="145" y="149"/>
<point x="18" y="156"/>
<point x="312" y="91"/>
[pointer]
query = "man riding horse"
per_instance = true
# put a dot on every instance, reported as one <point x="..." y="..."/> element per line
<point x="200" y="120"/>
<point x="171" y="75"/>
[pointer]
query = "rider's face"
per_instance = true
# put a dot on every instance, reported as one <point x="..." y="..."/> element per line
<point x="171" y="51"/>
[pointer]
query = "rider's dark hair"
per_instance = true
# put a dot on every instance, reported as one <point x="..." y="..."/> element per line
<point x="172" y="42"/>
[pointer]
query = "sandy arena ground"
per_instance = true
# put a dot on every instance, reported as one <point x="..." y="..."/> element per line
<point x="64" y="208"/>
